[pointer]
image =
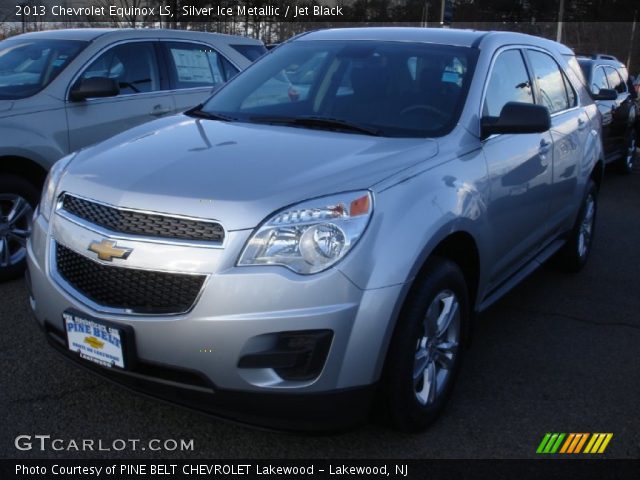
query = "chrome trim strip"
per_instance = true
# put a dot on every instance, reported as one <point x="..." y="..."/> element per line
<point x="60" y="210"/>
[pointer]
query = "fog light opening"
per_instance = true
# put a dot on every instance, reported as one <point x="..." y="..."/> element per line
<point x="296" y="356"/>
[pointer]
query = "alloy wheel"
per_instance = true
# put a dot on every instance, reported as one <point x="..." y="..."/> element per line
<point x="631" y="151"/>
<point x="436" y="347"/>
<point x="586" y="226"/>
<point x="15" y="227"/>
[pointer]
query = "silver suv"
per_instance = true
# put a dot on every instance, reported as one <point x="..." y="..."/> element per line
<point x="53" y="89"/>
<point x="321" y="232"/>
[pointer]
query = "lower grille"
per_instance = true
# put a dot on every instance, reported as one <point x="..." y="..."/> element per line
<point x="138" y="291"/>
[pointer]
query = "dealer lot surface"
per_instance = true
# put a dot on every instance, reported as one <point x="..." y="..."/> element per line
<point x="558" y="354"/>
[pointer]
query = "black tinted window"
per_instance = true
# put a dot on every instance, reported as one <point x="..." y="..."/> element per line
<point x="551" y="84"/>
<point x="133" y="65"/>
<point x="509" y="82"/>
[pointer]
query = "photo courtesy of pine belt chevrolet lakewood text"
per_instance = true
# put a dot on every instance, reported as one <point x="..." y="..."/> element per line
<point x="312" y="243"/>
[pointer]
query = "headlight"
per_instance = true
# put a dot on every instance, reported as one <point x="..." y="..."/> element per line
<point x="51" y="186"/>
<point x="311" y="236"/>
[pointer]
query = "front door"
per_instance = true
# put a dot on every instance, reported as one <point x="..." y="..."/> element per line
<point x="520" y="173"/>
<point x="142" y="97"/>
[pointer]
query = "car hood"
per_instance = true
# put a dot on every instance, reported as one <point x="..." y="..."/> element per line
<point x="236" y="173"/>
<point x="6" y="105"/>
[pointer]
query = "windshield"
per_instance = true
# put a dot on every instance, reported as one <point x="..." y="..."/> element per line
<point x="395" y="89"/>
<point x="27" y="66"/>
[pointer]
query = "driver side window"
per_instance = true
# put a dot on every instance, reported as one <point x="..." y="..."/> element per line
<point x="509" y="82"/>
<point x="133" y="65"/>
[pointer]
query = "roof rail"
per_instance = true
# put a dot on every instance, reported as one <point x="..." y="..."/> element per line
<point x="597" y="56"/>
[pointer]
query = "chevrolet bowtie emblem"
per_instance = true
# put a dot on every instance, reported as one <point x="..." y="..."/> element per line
<point x="93" y="342"/>
<point x="108" y="250"/>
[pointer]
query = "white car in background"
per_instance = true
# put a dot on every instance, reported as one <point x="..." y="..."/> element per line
<point x="63" y="90"/>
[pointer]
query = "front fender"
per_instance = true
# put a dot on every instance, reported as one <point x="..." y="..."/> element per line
<point x="416" y="214"/>
<point x="42" y="140"/>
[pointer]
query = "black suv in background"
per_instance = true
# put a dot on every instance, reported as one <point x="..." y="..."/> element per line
<point x="608" y="82"/>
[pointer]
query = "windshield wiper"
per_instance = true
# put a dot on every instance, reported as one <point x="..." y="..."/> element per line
<point x="197" y="112"/>
<point x="319" y="122"/>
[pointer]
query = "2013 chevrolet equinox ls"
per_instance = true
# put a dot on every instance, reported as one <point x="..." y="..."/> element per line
<point x="320" y="233"/>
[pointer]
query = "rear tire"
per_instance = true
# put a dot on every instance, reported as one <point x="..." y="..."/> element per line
<point x="575" y="253"/>
<point x="426" y="349"/>
<point x="18" y="199"/>
<point x="626" y="163"/>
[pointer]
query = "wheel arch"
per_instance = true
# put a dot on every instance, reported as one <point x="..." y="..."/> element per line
<point x="597" y="173"/>
<point x="458" y="246"/>
<point x="24" y="167"/>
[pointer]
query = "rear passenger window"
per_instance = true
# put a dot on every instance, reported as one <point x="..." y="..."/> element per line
<point x="615" y="80"/>
<point x="551" y="82"/>
<point x="195" y="65"/>
<point x="509" y="82"/>
<point x="133" y="65"/>
<point x="229" y="70"/>
<point x="571" y="93"/>
<point x="599" y="81"/>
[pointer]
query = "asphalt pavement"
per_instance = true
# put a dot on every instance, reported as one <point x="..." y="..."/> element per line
<point x="561" y="353"/>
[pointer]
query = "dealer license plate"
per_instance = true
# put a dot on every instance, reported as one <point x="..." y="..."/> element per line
<point x="94" y="341"/>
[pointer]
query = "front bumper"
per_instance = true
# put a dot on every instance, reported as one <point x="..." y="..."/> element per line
<point x="192" y="359"/>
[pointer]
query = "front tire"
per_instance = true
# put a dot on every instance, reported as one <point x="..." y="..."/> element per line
<point x="18" y="199"/>
<point x="426" y="348"/>
<point x="575" y="253"/>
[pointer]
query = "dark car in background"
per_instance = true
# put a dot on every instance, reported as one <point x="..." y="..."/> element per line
<point x="607" y="79"/>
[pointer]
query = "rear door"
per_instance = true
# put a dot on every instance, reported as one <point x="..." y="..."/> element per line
<point x="520" y="172"/>
<point x="606" y="109"/>
<point x="143" y="94"/>
<point x="569" y="132"/>
<point x="195" y="71"/>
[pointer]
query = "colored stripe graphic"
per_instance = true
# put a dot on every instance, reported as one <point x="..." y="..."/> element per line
<point x="607" y="439"/>
<point x="581" y="442"/>
<point x="555" y="443"/>
<point x="567" y="443"/>
<point x="598" y="442"/>
<point x="543" y="443"/>
<point x="550" y="443"/>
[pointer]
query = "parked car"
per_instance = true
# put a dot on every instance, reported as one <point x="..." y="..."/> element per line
<point x="63" y="90"/>
<point x="607" y="79"/>
<point x="287" y="263"/>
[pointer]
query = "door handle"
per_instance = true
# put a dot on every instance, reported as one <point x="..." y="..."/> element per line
<point x="545" y="147"/>
<point x="159" y="110"/>
<point x="582" y="124"/>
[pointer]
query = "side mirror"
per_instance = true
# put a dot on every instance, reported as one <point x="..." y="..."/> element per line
<point x="94" y="87"/>
<point x="517" y="117"/>
<point x="605" y="94"/>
